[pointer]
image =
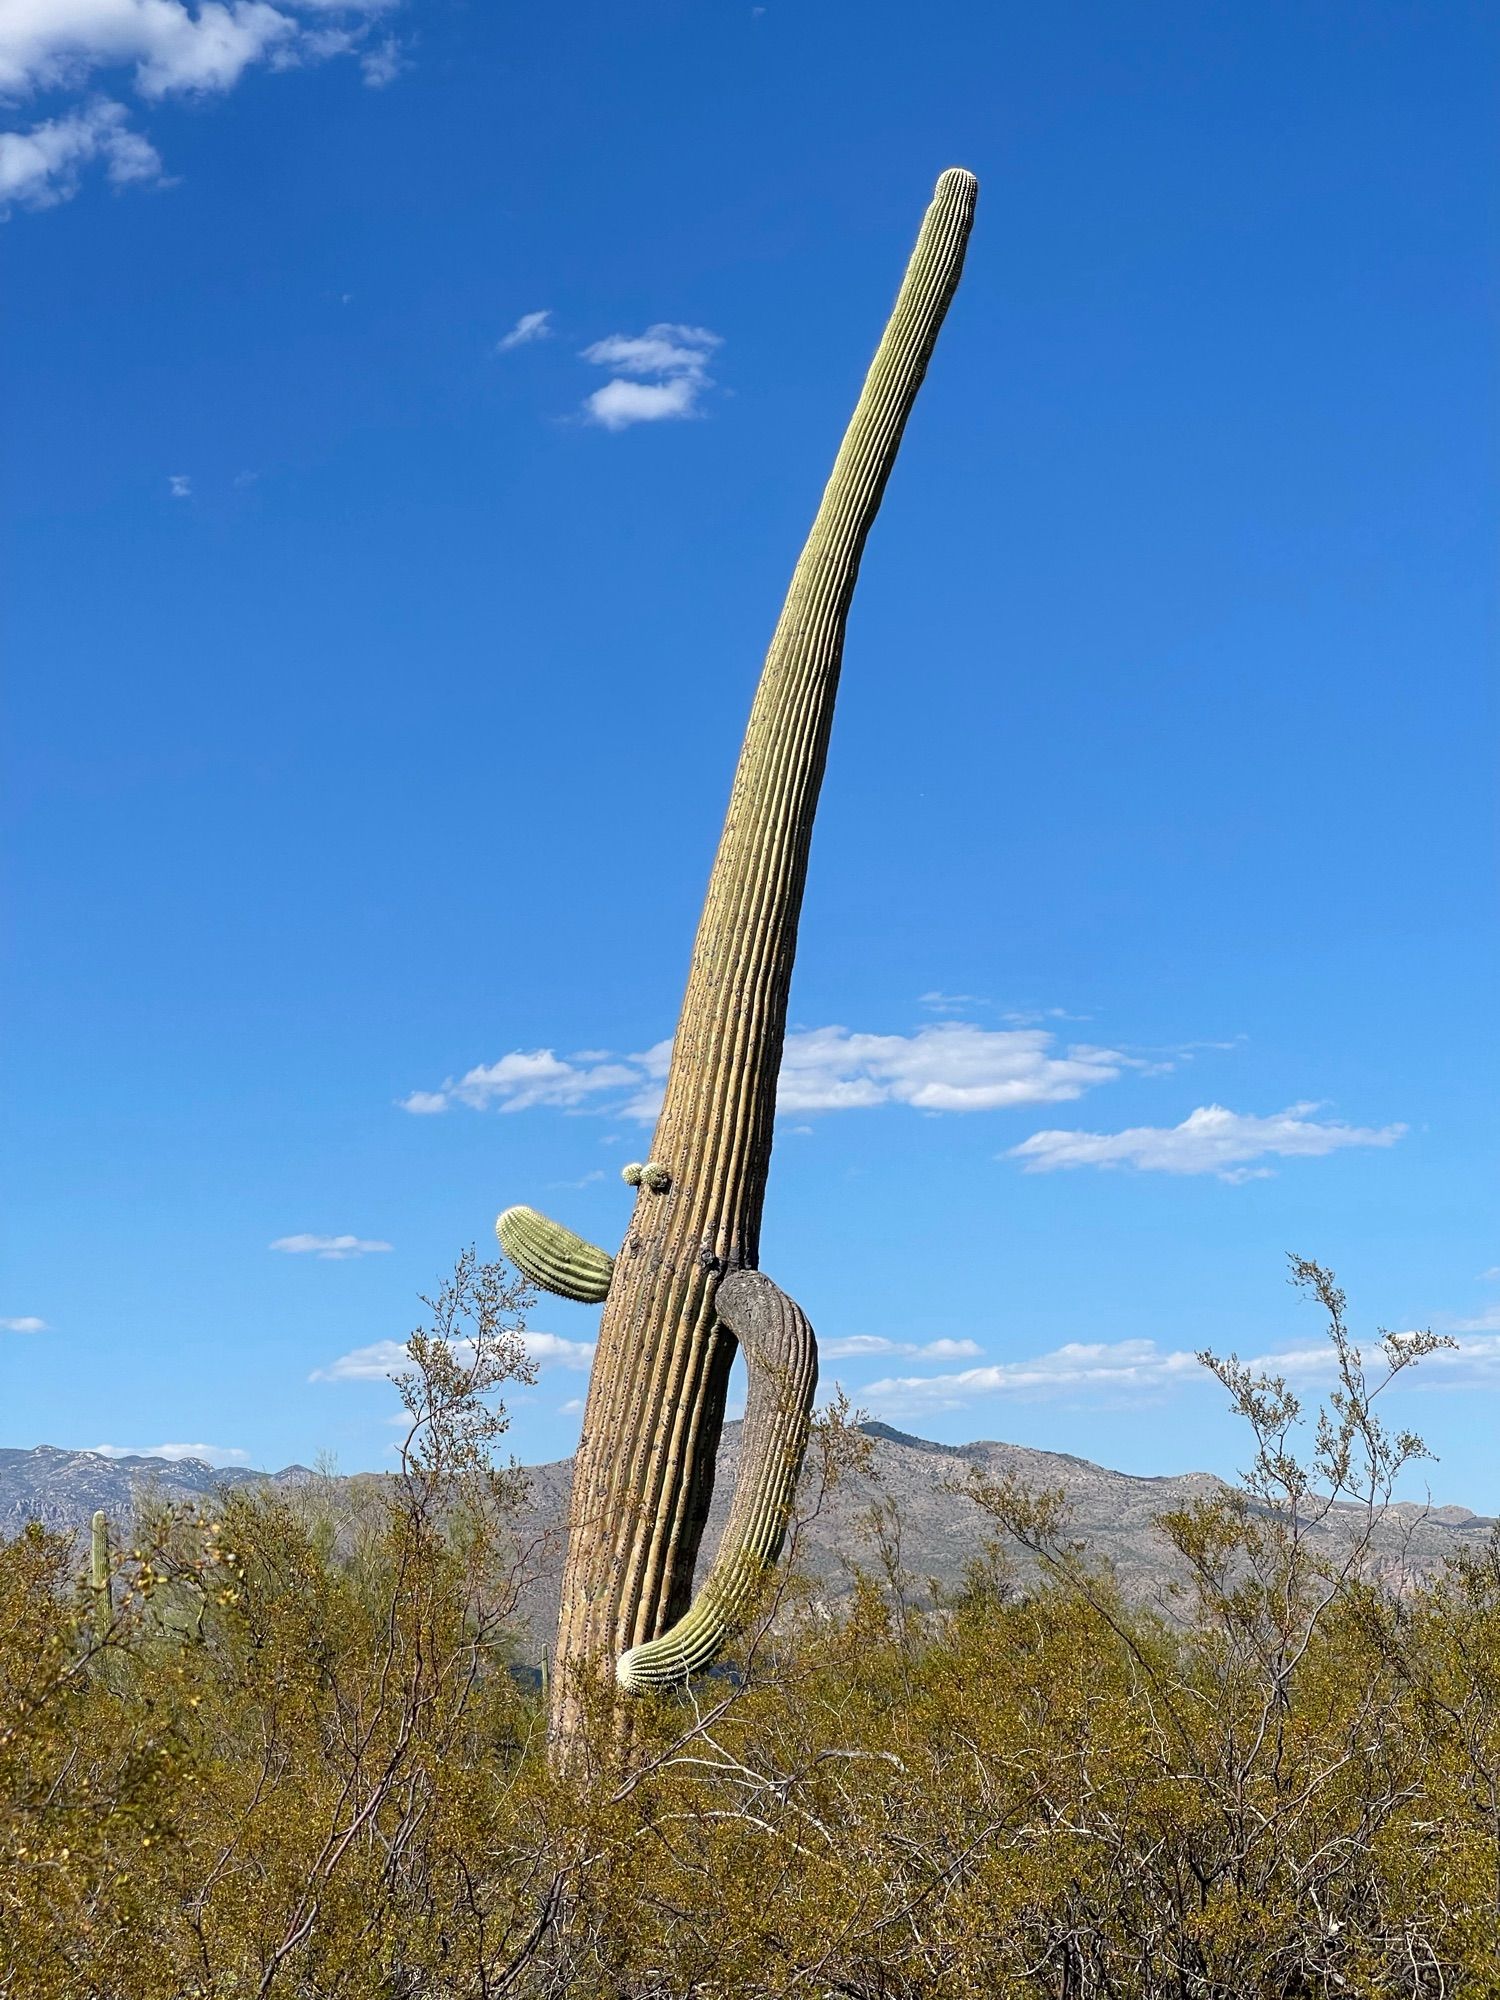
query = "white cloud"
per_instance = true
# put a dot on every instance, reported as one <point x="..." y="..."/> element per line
<point x="1492" y="1272"/>
<point x="48" y="44"/>
<point x="662" y="373"/>
<point x="529" y="327"/>
<point x="26" y="1324"/>
<point x="572" y="1408"/>
<point x="1139" y="1368"/>
<point x="43" y="166"/>
<point x="164" y="47"/>
<point x="210" y="1454"/>
<point x="1080" y="1365"/>
<point x="383" y="1358"/>
<point x="619" y="404"/>
<point x="945" y="1066"/>
<point x="1209" y="1140"/>
<point x="950" y="1003"/>
<point x="181" y="485"/>
<point x="549" y="1350"/>
<point x="1486" y="1322"/>
<point x="383" y="63"/>
<point x="337" y="1249"/>
<point x="854" y="1346"/>
<point x="526" y="1078"/>
<point x="530" y="1077"/>
<point x="366" y="1364"/>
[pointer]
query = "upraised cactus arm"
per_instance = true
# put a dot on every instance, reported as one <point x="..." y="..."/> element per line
<point x="781" y="1357"/>
<point x="553" y="1257"/>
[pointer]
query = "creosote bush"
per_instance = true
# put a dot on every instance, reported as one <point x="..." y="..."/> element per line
<point x="308" y="1770"/>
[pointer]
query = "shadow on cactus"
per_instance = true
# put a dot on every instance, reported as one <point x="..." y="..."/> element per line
<point x="685" y="1290"/>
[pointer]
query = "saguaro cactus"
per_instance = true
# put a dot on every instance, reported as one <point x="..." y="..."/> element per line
<point x="685" y="1286"/>
<point x="99" y="1590"/>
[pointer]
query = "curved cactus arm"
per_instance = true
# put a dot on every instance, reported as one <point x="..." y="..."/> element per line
<point x="781" y="1356"/>
<point x="553" y="1257"/>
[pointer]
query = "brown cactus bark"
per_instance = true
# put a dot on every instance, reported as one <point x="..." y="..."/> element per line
<point x="645" y="1466"/>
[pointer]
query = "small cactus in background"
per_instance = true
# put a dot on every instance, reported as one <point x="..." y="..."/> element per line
<point x="684" y="1288"/>
<point x="99" y="1587"/>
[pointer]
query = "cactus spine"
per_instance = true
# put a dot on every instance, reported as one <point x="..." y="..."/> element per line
<point x="645" y="1466"/>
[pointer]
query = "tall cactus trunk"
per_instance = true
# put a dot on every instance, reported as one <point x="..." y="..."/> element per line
<point x="645" y="1467"/>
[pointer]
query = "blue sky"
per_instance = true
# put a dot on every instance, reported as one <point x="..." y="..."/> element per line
<point x="416" y="410"/>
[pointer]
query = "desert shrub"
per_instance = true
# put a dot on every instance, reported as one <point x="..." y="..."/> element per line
<point x="297" y="1762"/>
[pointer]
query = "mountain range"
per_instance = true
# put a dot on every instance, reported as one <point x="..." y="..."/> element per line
<point x="911" y="1479"/>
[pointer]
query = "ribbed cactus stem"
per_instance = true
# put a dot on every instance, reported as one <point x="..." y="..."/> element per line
<point x="553" y="1257"/>
<point x="645" y="1465"/>
<point x="99" y="1576"/>
<point x="781" y="1360"/>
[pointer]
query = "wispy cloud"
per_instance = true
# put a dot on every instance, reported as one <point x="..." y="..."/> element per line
<point x="180" y="485"/>
<point x="947" y="1066"/>
<point x="158" y="48"/>
<point x="1140" y="1370"/>
<point x="529" y="327"/>
<point x="857" y="1346"/>
<point x="661" y="374"/>
<point x="336" y="1249"/>
<point x="383" y="1358"/>
<point x="1487" y="1321"/>
<point x="528" y="1078"/>
<point x="1132" y="1365"/>
<point x="1209" y="1140"/>
<point x="937" y="1002"/>
<point x="944" y="1066"/>
<point x="44" y="165"/>
<point x="26" y="1324"/>
<point x="209" y="1454"/>
<point x="383" y="63"/>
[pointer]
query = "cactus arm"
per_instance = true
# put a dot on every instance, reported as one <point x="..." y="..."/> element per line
<point x="99" y="1576"/>
<point x="781" y="1358"/>
<point x="553" y="1257"/>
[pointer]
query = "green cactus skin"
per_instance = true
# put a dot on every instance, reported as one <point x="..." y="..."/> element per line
<point x="644" y="1472"/>
<point x="553" y="1257"/>
<point x="781" y="1358"/>
<point x="99" y="1576"/>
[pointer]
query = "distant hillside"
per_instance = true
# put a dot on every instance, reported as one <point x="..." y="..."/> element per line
<point x="940" y="1531"/>
<point x="62" y="1488"/>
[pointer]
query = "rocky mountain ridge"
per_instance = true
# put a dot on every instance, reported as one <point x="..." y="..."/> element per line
<point x="912" y="1479"/>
